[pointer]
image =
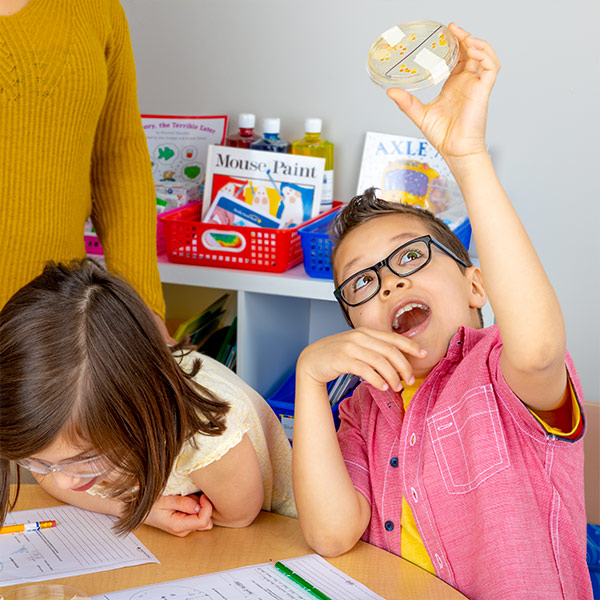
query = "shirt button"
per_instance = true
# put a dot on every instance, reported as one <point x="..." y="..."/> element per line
<point x="413" y="439"/>
<point x="440" y="563"/>
<point x="389" y="525"/>
<point x="414" y="494"/>
<point x="394" y="462"/>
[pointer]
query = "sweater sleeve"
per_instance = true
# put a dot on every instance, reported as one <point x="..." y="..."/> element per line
<point x="123" y="198"/>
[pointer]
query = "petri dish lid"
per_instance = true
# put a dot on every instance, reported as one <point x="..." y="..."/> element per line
<point x="413" y="55"/>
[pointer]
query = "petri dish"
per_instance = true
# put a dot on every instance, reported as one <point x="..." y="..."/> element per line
<point x="413" y="56"/>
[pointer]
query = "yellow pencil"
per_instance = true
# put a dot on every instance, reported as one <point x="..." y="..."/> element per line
<point x="27" y="527"/>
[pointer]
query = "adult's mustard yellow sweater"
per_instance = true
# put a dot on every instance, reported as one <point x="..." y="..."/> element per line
<point x="72" y="145"/>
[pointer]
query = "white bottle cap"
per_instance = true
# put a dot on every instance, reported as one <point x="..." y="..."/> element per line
<point x="271" y="125"/>
<point x="246" y="121"/>
<point x="312" y="125"/>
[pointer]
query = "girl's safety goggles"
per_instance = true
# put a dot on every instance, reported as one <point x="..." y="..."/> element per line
<point x="86" y="468"/>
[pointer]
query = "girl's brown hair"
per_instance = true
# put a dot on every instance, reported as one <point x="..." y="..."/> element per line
<point x="81" y="355"/>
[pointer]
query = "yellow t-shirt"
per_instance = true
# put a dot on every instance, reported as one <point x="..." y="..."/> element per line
<point x="411" y="544"/>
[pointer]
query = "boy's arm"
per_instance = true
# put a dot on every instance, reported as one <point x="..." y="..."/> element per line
<point x="526" y="309"/>
<point x="332" y="513"/>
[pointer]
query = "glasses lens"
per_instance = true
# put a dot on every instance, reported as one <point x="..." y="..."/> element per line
<point x="360" y="287"/>
<point x="409" y="258"/>
<point x="33" y="465"/>
<point x="89" y="467"/>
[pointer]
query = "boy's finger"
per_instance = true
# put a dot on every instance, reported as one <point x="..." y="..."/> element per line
<point x="368" y="374"/>
<point x="377" y="359"/>
<point x="401" y="342"/>
<point x="411" y="106"/>
<point x="460" y="33"/>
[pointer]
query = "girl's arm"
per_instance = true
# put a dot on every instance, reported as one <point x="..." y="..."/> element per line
<point x="234" y="486"/>
<point x="178" y="515"/>
<point x="526" y="309"/>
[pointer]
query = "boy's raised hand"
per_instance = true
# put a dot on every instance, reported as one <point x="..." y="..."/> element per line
<point x="377" y="357"/>
<point x="454" y="122"/>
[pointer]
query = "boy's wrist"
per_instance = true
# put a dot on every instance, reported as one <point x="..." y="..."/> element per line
<point x="468" y="164"/>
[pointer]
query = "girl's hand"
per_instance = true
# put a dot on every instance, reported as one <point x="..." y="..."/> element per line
<point x="378" y="357"/>
<point x="180" y="515"/>
<point x="455" y="121"/>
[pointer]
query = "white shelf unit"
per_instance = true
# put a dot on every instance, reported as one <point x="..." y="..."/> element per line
<point x="279" y="314"/>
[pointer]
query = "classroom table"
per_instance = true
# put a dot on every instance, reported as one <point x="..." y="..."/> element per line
<point x="271" y="536"/>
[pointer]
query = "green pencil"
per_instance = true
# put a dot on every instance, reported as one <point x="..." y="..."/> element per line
<point x="300" y="581"/>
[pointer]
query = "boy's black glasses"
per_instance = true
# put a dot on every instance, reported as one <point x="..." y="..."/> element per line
<point x="405" y="260"/>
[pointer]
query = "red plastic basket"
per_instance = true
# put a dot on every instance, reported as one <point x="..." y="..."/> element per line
<point x="93" y="246"/>
<point x="191" y="242"/>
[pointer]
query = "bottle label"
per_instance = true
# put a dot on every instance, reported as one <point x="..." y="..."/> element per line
<point x="327" y="191"/>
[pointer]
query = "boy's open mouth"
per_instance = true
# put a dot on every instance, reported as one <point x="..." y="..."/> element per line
<point x="409" y="317"/>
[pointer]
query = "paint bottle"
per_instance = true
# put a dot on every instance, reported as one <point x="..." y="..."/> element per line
<point x="312" y="144"/>
<point x="271" y="140"/>
<point x="245" y="136"/>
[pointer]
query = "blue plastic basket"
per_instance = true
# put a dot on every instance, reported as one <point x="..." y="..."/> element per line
<point x="463" y="233"/>
<point x="283" y="404"/>
<point x="317" y="247"/>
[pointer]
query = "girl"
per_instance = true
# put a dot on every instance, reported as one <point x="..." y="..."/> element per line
<point x="109" y="419"/>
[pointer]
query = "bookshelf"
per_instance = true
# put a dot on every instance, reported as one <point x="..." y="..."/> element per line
<point x="278" y="315"/>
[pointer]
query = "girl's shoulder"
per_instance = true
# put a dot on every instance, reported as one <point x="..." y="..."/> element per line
<point x="212" y="374"/>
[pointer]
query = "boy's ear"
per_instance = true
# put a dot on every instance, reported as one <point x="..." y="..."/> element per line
<point x="477" y="295"/>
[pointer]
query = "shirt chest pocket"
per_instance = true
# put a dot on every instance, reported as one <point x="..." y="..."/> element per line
<point x="468" y="441"/>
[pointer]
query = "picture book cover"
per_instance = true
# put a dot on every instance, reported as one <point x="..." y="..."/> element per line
<point x="264" y="189"/>
<point x="178" y="147"/>
<point x="411" y="170"/>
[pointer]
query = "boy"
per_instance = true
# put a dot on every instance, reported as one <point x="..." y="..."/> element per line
<point x="462" y="448"/>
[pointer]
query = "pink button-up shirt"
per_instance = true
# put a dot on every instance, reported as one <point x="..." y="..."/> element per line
<point x="498" y="502"/>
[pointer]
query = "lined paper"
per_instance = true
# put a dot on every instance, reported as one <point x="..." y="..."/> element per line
<point x="259" y="582"/>
<point x="82" y="542"/>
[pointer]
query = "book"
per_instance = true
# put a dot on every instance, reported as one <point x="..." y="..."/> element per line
<point x="200" y="326"/>
<point x="178" y="147"/>
<point x="258" y="188"/>
<point x="226" y="209"/>
<point x="411" y="170"/>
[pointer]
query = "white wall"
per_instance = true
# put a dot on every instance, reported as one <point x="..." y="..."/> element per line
<point x="299" y="58"/>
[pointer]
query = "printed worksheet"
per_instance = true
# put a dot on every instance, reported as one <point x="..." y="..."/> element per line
<point x="259" y="582"/>
<point x="82" y="542"/>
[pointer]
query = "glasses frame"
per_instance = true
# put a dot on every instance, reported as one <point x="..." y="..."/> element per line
<point x="386" y="263"/>
<point x="62" y="467"/>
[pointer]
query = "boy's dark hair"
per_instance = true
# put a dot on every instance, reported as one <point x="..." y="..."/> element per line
<point x="82" y="356"/>
<point x="368" y="206"/>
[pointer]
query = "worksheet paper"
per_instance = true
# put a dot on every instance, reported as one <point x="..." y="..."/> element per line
<point x="82" y="542"/>
<point x="259" y="582"/>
